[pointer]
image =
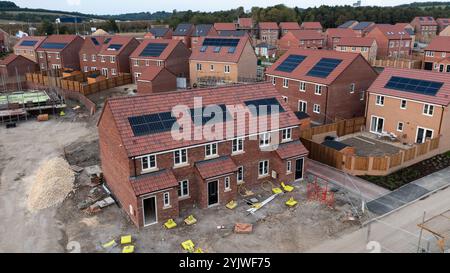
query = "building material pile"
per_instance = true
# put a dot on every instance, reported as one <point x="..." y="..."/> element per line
<point x="54" y="180"/>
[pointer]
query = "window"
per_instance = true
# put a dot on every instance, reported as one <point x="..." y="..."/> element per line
<point x="286" y="134"/>
<point x="113" y="59"/>
<point x="316" y="108"/>
<point x="380" y="100"/>
<point x="227" y="184"/>
<point x="183" y="188"/>
<point x="43" y="66"/>
<point x="211" y="67"/>
<point x="180" y="157"/>
<point x="273" y="80"/>
<point x="302" y="106"/>
<point x="84" y="57"/>
<point x="148" y="163"/>
<point x="240" y="174"/>
<point x="353" y="48"/>
<point x="285" y="83"/>
<point x="364" y="49"/>
<point x="238" y="145"/>
<point x="227" y="69"/>
<point x="302" y="86"/>
<point x="443" y="54"/>
<point x="41" y="55"/>
<point x="429" y="53"/>
<point x="166" y="198"/>
<point x="58" y="56"/>
<point x="264" y="140"/>
<point x="263" y="168"/>
<point x="352" y="88"/>
<point x="86" y="69"/>
<point x="147" y="62"/>
<point x="428" y="109"/>
<point x="211" y="150"/>
<point x="94" y="58"/>
<point x="286" y="99"/>
<point x="318" y="90"/>
<point x="289" y="167"/>
<point x="199" y="67"/>
<point x="103" y="59"/>
<point x="400" y="127"/>
<point x="136" y="62"/>
<point x="113" y="71"/>
<point x="403" y="104"/>
<point x="93" y="68"/>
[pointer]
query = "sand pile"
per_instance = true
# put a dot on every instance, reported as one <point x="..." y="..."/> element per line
<point x="54" y="180"/>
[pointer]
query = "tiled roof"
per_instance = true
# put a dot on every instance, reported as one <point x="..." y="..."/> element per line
<point x="313" y="57"/>
<point x="202" y="30"/>
<point x="307" y="34"/>
<point x="216" y="167"/>
<point x="153" y="182"/>
<point x="347" y="24"/>
<point x="124" y="107"/>
<point x="159" y="31"/>
<point x="89" y="43"/>
<point x="116" y="40"/>
<point x="224" y="26"/>
<point x="340" y="32"/>
<point x="232" y="33"/>
<point x="311" y="25"/>
<point x="149" y="73"/>
<point x="245" y="22"/>
<point x="291" y="149"/>
<point x="443" y="21"/>
<point x="38" y="39"/>
<point x="441" y="98"/>
<point x="362" y="25"/>
<point x="393" y="31"/>
<point x="171" y="45"/>
<point x="439" y="43"/>
<point x="356" y="41"/>
<point x="67" y="39"/>
<point x="222" y="55"/>
<point x="289" y="25"/>
<point x="426" y="20"/>
<point x="183" y="30"/>
<point x="10" y="58"/>
<point x="268" y="25"/>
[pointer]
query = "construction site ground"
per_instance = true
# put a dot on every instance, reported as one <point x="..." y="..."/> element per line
<point x="65" y="228"/>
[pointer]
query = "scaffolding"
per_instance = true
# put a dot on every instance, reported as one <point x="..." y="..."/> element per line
<point x="439" y="227"/>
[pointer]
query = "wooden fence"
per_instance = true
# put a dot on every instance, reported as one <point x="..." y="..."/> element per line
<point x="397" y="63"/>
<point x="363" y="165"/>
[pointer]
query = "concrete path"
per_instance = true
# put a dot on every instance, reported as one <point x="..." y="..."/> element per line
<point x="360" y="187"/>
<point x="397" y="232"/>
<point x="409" y="192"/>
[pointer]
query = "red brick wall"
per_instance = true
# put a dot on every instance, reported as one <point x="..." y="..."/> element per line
<point x="271" y="36"/>
<point x="69" y="56"/>
<point x="163" y="213"/>
<point x="165" y="81"/>
<point x="122" y="62"/>
<point x="21" y="64"/>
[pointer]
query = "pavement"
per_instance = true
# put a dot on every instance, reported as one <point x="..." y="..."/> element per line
<point x="398" y="232"/>
<point x="409" y="192"/>
<point x="364" y="189"/>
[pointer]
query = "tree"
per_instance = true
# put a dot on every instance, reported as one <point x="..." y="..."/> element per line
<point x="46" y="28"/>
<point x="112" y="26"/>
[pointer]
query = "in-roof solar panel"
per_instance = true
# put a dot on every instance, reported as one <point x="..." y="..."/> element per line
<point x="95" y="41"/>
<point x="114" y="47"/>
<point x="198" y="115"/>
<point x="424" y="87"/>
<point x="324" y="67"/>
<point x="266" y="106"/>
<point x="291" y="63"/>
<point x="153" y="50"/>
<point x="151" y="124"/>
<point x="28" y="43"/>
<point x="107" y="40"/>
<point x="221" y="42"/>
<point x="54" y="45"/>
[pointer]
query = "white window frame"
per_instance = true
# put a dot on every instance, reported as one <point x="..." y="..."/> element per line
<point x="211" y="67"/>
<point x="166" y="200"/>
<point x="264" y="140"/>
<point x="147" y="62"/>
<point x="240" y="178"/>
<point x="94" y="58"/>
<point x="263" y="166"/>
<point x="84" y="57"/>
<point x="285" y="83"/>
<point x="237" y="145"/>
<point x="285" y="98"/>
<point x="316" y="108"/>
<point x="160" y="63"/>
<point x="41" y="55"/>
<point x="227" y="69"/>
<point x="289" y="167"/>
<point x="300" y="103"/>
<point x="302" y="86"/>
<point x="274" y="80"/>
<point x="318" y="90"/>
<point x="182" y="187"/>
<point x="227" y="183"/>
<point x="136" y="63"/>
<point x="378" y="120"/>
<point x="180" y="160"/>
<point x="149" y="168"/>
<point x="401" y="104"/>
<point x="113" y="59"/>
<point x="102" y="59"/>
<point x="212" y="147"/>
<point x="428" y="109"/>
<point x="379" y="100"/>
<point x="398" y="126"/>
<point x="199" y="66"/>
<point x="58" y="56"/>
<point x="286" y="135"/>
<point x="352" y="88"/>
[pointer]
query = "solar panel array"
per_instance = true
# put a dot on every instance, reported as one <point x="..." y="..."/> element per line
<point x="152" y="124"/>
<point x="220" y="42"/>
<point x="224" y="115"/>
<point x="264" y="106"/>
<point x="28" y="43"/>
<point x="291" y="63"/>
<point x="324" y="67"/>
<point x="54" y="45"/>
<point x="424" y="87"/>
<point x="107" y="40"/>
<point x="153" y="50"/>
<point x="114" y="47"/>
<point x="95" y="41"/>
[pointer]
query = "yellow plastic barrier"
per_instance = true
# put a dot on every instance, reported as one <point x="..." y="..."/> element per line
<point x="276" y="190"/>
<point x="125" y="239"/>
<point x="287" y="188"/>
<point x="190" y="220"/>
<point x="170" y="224"/>
<point x="188" y="245"/>
<point x="128" y="249"/>
<point x="291" y="202"/>
<point x="232" y="204"/>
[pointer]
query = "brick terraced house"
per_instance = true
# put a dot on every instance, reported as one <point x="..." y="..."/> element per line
<point x="173" y="55"/>
<point x="436" y="54"/>
<point x="89" y="60"/>
<point x="269" y="32"/>
<point x="202" y="30"/>
<point x="114" y="57"/>
<point x="154" y="176"/>
<point x="59" y="52"/>
<point x="366" y="46"/>
<point x="159" y="33"/>
<point x="316" y="26"/>
<point x="334" y="36"/>
<point x="285" y="27"/>
<point x="393" y="41"/>
<point x="411" y="104"/>
<point x="183" y="32"/>
<point x="325" y="84"/>
<point x="425" y="27"/>
<point x="27" y="46"/>
<point x="442" y="23"/>
<point x="222" y="60"/>
<point x="302" y="39"/>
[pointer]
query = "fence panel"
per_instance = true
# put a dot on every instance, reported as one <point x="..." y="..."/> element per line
<point x="395" y="160"/>
<point x="380" y="163"/>
<point x="422" y="148"/>
<point x="409" y="154"/>
<point x="361" y="163"/>
<point x="434" y="143"/>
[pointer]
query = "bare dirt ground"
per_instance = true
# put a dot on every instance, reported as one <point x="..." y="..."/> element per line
<point x="58" y="229"/>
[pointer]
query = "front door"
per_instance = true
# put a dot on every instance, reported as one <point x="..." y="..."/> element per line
<point x="299" y="169"/>
<point x="423" y="134"/>
<point x="149" y="205"/>
<point x="213" y="193"/>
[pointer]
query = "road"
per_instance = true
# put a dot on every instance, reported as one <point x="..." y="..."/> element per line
<point x="397" y="232"/>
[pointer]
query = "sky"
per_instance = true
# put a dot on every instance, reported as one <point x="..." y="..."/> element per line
<point x="127" y="6"/>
